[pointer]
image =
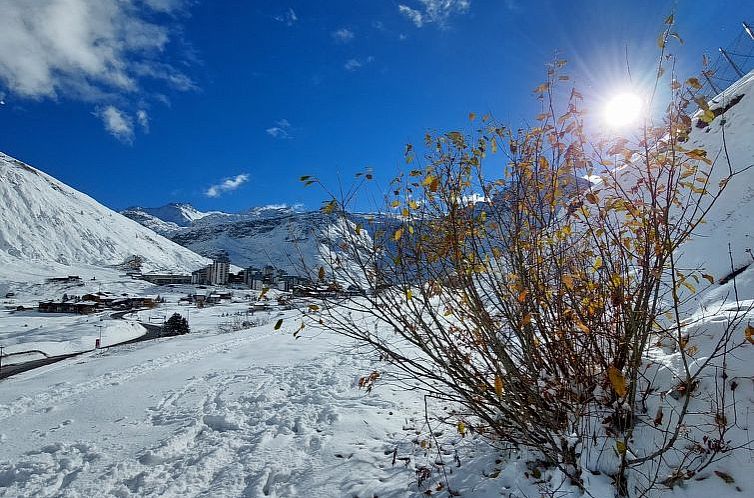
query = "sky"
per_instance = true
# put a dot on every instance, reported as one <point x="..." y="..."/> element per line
<point x="225" y="104"/>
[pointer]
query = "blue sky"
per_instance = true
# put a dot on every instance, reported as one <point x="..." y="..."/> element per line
<point x="225" y="104"/>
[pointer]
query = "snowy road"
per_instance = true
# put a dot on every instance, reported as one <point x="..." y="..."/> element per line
<point x="251" y="413"/>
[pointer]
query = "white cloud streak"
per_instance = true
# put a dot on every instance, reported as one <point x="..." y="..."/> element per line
<point x="227" y="185"/>
<point x="343" y="35"/>
<point x="143" y="119"/>
<point x="289" y="17"/>
<point x="281" y="129"/>
<point x="356" y="64"/>
<point x="434" y="11"/>
<point x="117" y="123"/>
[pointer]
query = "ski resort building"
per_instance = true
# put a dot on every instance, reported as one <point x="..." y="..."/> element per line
<point x="214" y="274"/>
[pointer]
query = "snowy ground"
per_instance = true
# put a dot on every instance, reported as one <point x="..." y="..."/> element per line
<point x="249" y="413"/>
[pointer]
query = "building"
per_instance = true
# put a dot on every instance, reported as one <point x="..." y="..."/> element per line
<point x="77" y="307"/>
<point x="68" y="279"/>
<point x="254" y="278"/>
<point x="167" y="279"/>
<point x="214" y="274"/>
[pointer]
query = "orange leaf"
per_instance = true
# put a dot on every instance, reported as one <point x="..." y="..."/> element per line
<point x="749" y="333"/>
<point x="617" y="381"/>
<point x="499" y="386"/>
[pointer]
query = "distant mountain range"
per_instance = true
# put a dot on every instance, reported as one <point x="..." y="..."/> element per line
<point x="278" y="235"/>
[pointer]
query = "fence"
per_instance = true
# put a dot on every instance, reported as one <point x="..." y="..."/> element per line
<point x="730" y="63"/>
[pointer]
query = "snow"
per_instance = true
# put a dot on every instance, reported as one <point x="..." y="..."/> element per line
<point x="46" y="221"/>
<point x="249" y="413"/>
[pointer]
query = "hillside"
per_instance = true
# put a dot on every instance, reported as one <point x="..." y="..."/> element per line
<point x="46" y="221"/>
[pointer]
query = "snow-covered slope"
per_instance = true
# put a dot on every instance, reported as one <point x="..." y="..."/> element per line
<point x="45" y="221"/>
<point x="730" y="220"/>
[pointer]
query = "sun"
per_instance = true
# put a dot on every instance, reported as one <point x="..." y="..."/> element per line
<point x="624" y="109"/>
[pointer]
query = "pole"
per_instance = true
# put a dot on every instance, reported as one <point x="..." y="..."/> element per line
<point x="710" y="82"/>
<point x="748" y="30"/>
<point x="1" y="358"/>
<point x="733" y="64"/>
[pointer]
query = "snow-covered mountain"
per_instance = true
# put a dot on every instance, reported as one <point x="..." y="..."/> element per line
<point x="45" y="221"/>
<point x="171" y="217"/>
<point x="277" y="235"/>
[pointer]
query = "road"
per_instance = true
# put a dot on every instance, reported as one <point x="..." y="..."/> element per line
<point x="153" y="332"/>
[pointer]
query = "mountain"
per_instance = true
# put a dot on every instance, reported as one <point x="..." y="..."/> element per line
<point x="277" y="235"/>
<point x="46" y="221"/>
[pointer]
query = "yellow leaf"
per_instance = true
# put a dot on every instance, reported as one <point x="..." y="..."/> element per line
<point x="409" y="294"/>
<point x="499" y="386"/>
<point x="395" y="203"/>
<point x="598" y="263"/>
<point x="617" y="381"/>
<point x="398" y="234"/>
<point x="620" y="447"/>
<point x="413" y="204"/>
<point x="461" y="428"/>
<point x="278" y="324"/>
<point x="313" y="307"/>
<point x="330" y="207"/>
<point x="661" y="40"/>
<point x="264" y="291"/>
<point x="582" y="326"/>
<point x="321" y="273"/>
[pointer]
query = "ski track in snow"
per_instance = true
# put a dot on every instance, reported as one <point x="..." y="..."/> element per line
<point x="250" y="432"/>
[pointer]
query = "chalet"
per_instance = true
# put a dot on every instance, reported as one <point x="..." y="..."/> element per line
<point x="77" y="307"/>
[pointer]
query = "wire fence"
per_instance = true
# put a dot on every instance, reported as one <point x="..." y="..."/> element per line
<point x="730" y="63"/>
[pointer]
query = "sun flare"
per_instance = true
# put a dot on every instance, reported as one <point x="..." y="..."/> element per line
<point x="623" y="109"/>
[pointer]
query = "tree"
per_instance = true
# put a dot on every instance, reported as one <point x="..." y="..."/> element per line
<point x="176" y="325"/>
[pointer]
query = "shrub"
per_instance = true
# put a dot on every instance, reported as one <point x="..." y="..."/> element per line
<point x="534" y="310"/>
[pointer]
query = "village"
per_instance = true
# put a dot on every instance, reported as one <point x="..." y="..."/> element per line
<point x="206" y="286"/>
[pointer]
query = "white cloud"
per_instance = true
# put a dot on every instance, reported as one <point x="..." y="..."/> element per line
<point x="99" y="51"/>
<point x="288" y="18"/>
<point x="343" y="35"/>
<point x="353" y="65"/>
<point x="281" y="129"/>
<point x="117" y="123"/>
<point x="434" y="11"/>
<point x="413" y="14"/>
<point x="143" y="119"/>
<point x="227" y="185"/>
<point x="356" y="64"/>
<point x="84" y="49"/>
